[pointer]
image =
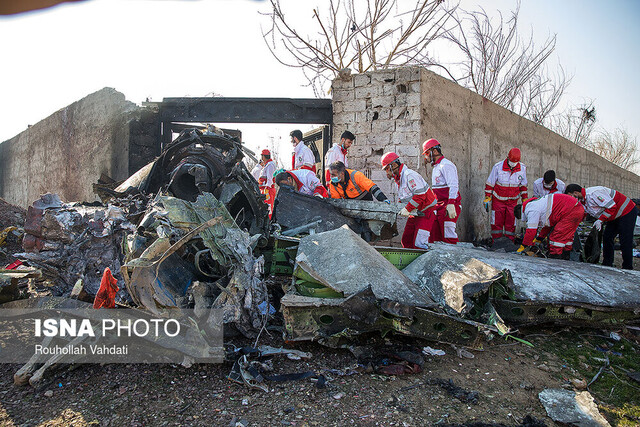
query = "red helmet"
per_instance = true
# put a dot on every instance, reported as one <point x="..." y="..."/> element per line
<point x="388" y="158"/>
<point x="429" y="143"/>
<point x="514" y="155"/>
<point x="266" y="152"/>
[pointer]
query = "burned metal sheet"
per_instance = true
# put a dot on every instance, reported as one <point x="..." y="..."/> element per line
<point x="380" y="217"/>
<point x="371" y="219"/>
<point x="367" y="209"/>
<point x="548" y="281"/>
<point x="341" y="260"/>
<point x="292" y="210"/>
<point x="452" y="277"/>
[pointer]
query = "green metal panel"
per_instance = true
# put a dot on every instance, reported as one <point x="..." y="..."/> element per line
<point x="398" y="256"/>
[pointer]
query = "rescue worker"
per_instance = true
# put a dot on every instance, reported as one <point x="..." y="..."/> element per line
<point x="303" y="157"/>
<point x="338" y="153"/>
<point x="444" y="182"/>
<point x="303" y="181"/>
<point x="507" y="183"/>
<point x="548" y="184"/>
<point x="420" y="199"/>
<point x="352" y="184"/>
<point x="557" y="213"/>
<point x="615" y="209"/>
<point x="265" y="180"/>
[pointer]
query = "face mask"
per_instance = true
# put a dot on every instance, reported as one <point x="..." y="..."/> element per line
<point x="512" y="164"/>
<point x="547" y="186"/>
<point x="335" y="179"/>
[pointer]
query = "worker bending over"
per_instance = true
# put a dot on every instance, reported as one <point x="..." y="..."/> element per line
<point x="557" y="213"/>
<point x="507" y="183"/>
<point x="420" y="199"/>
<point x="303" y="181"/>
<point x="444" y="182"/>
<point x="617" y="211"/>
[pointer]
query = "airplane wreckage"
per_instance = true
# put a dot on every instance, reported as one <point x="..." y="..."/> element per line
<point x="190" y="231"/>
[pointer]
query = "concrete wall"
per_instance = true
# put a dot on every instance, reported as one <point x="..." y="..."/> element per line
<point x="67" y="152"/>
<point x="396" y="110"/>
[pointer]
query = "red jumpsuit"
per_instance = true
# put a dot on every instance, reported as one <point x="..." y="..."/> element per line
<point x="444" y="181"/>
<point x="413" y="190"/>
<point x="559" y="213"/>
<point x="505" y="186"/>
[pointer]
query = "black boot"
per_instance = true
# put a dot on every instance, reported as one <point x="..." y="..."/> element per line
<point x="566" y="255"/>
<point x="555" y="256"/>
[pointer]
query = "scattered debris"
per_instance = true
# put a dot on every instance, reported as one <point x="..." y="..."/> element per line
<point x="432" y="351"/>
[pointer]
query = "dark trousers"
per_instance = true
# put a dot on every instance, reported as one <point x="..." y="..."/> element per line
<point x="623" y="227"/>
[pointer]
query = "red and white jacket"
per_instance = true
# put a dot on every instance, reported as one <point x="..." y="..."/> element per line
<point x="507" y="184"/>
<point x="540" y="191"/>
<point x="444" y="181"/>
<point x="606" y="204"/>
<point x="335" y="154"/>
<point x="266" y="174"/>
<point x="307" y="182"/>
<point x="303" y="157"/>
<point x="545" y="212"/>
<point x="414" y="191"/>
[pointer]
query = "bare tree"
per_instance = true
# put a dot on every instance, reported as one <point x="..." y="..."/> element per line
<point x="575" y="124"/>
<point x="505" y="68"/>
<point x="619" y="147"/>
<point x="363" y="35"/>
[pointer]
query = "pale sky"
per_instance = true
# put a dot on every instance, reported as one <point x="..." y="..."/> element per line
<point x="166" y="48"/>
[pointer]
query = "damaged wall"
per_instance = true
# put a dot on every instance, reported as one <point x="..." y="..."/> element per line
<point x="66" y="153"/>
<point x="396" y="110"/>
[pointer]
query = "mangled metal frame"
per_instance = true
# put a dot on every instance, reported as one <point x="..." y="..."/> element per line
<point x="223" y="273"/>
<point x="198" y="162"/>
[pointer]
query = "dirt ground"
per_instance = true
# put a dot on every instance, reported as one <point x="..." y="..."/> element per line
<point x="507" y="376"/>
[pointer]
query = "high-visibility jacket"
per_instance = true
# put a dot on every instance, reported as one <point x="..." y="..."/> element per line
<point x="266" y="174"/>
<point x="539" y="189"/>
<point x="444" y="181"/>
<point x="545" y="212"/>
<point x="505" y="183"/>
<point x="307" y="182"/>
<point x="414" y="191"/>
<point x="606" y="204"/>
<point x="335" y="154"/>
<point x="303" y="157"/>
<point x="357" y="186"/>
